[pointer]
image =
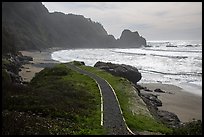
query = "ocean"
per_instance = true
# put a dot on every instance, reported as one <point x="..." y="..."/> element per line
<point x="177" y="62"/>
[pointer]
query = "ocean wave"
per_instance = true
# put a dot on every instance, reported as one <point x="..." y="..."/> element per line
<point x="168" y="73"/>
<point x="143" y="54"/>
<point x="198" y="58"/>
<point x="194" y="51"/>
<point x="130" y="53"/>
<point x="177" y="57"/>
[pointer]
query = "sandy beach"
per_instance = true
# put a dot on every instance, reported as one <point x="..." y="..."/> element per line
<point x="41" y="59"/>
<point x="185" y="105"/>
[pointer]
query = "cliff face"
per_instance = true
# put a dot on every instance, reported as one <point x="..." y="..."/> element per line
<point x="29" y="25"/>
<point x="26" y="23"/>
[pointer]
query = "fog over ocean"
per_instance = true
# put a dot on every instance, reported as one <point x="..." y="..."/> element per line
<point x="177" y="62"/>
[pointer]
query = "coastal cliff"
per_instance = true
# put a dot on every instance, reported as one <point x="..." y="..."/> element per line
<point x="29" y="25"/>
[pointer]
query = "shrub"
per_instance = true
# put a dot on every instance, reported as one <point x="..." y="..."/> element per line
<point x="189" y="128"/>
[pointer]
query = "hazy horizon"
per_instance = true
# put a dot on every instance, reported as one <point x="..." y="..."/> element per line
<point x="153" y="20"/>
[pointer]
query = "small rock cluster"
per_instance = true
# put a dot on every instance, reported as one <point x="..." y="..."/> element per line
<point x="153" y="103"/>
<point x="14" y="64"/>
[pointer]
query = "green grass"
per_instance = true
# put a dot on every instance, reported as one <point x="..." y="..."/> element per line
<point x="57" y="101"/>
<point x="6" y="78"/>
<point x="5" y="62"/>
<point x="139" y="121"/>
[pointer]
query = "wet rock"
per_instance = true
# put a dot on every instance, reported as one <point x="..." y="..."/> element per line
<point x="171" y="46"/>
<point x="139" y="86"/>
<point x="189" y="46"/>
<point x="159" y="90"/>
<point x="148" y="90"/>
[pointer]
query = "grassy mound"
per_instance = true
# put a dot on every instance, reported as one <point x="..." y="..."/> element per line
<point x="58" y="100"/>
<point x="139" y="119"/>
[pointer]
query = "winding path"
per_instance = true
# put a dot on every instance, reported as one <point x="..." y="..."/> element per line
<point x="112" y="120"/>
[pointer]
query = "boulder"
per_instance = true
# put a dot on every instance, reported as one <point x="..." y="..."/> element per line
<point x="168" y="118"/>
<point x="151" y="99"/>
<point x="126" y="71"/>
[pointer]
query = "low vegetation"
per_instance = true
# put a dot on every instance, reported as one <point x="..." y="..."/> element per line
<point x="189" y="128"/>
<point x="140" y="121"/>
<point x="57" y="101"/>
<point x="60" y="101"/>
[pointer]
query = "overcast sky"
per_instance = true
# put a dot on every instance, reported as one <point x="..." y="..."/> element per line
<point x="153" y="20"/>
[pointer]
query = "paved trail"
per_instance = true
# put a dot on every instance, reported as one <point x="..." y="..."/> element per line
<point x="112" y="117"/>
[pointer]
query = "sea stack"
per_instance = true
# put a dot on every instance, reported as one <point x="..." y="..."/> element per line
<point x="131" y="39"/>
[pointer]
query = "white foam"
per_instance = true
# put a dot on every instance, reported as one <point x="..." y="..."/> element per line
<point x="145" y="63"/>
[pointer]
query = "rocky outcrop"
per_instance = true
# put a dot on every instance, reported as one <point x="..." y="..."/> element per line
<point x="25" y="59"/>
<point x="131" y="39"/>
<point x="125" y="71"/>
<point x="151" y="100"/>
<point x="12" y="63"/>
<point x="169" y="118"/>
<point x="14" y="77"/>
<point x="153" y="103"/>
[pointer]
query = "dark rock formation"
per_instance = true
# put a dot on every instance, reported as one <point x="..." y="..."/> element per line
<point x="15" y="78"/>
<point x="151" y="99"/>
<point x="169" y="118"/>
<point x="148" y="90"/>
<point x="126" y="71"/>
<point x="82" y="63"/>
<point x="159" y="90"/>
<point x="189" y="46"/>
<point x="12" y="64"/>
<point x="171" y="46"/>
<point x="153" y="103"/>
<point x="131" y="39"/>
<point x="25" y="58"/>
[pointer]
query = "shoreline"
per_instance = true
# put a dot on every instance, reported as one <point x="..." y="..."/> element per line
<point x="187" y="106"/>
<point x="184" y="104"/>
<point x="41" y="59"/>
